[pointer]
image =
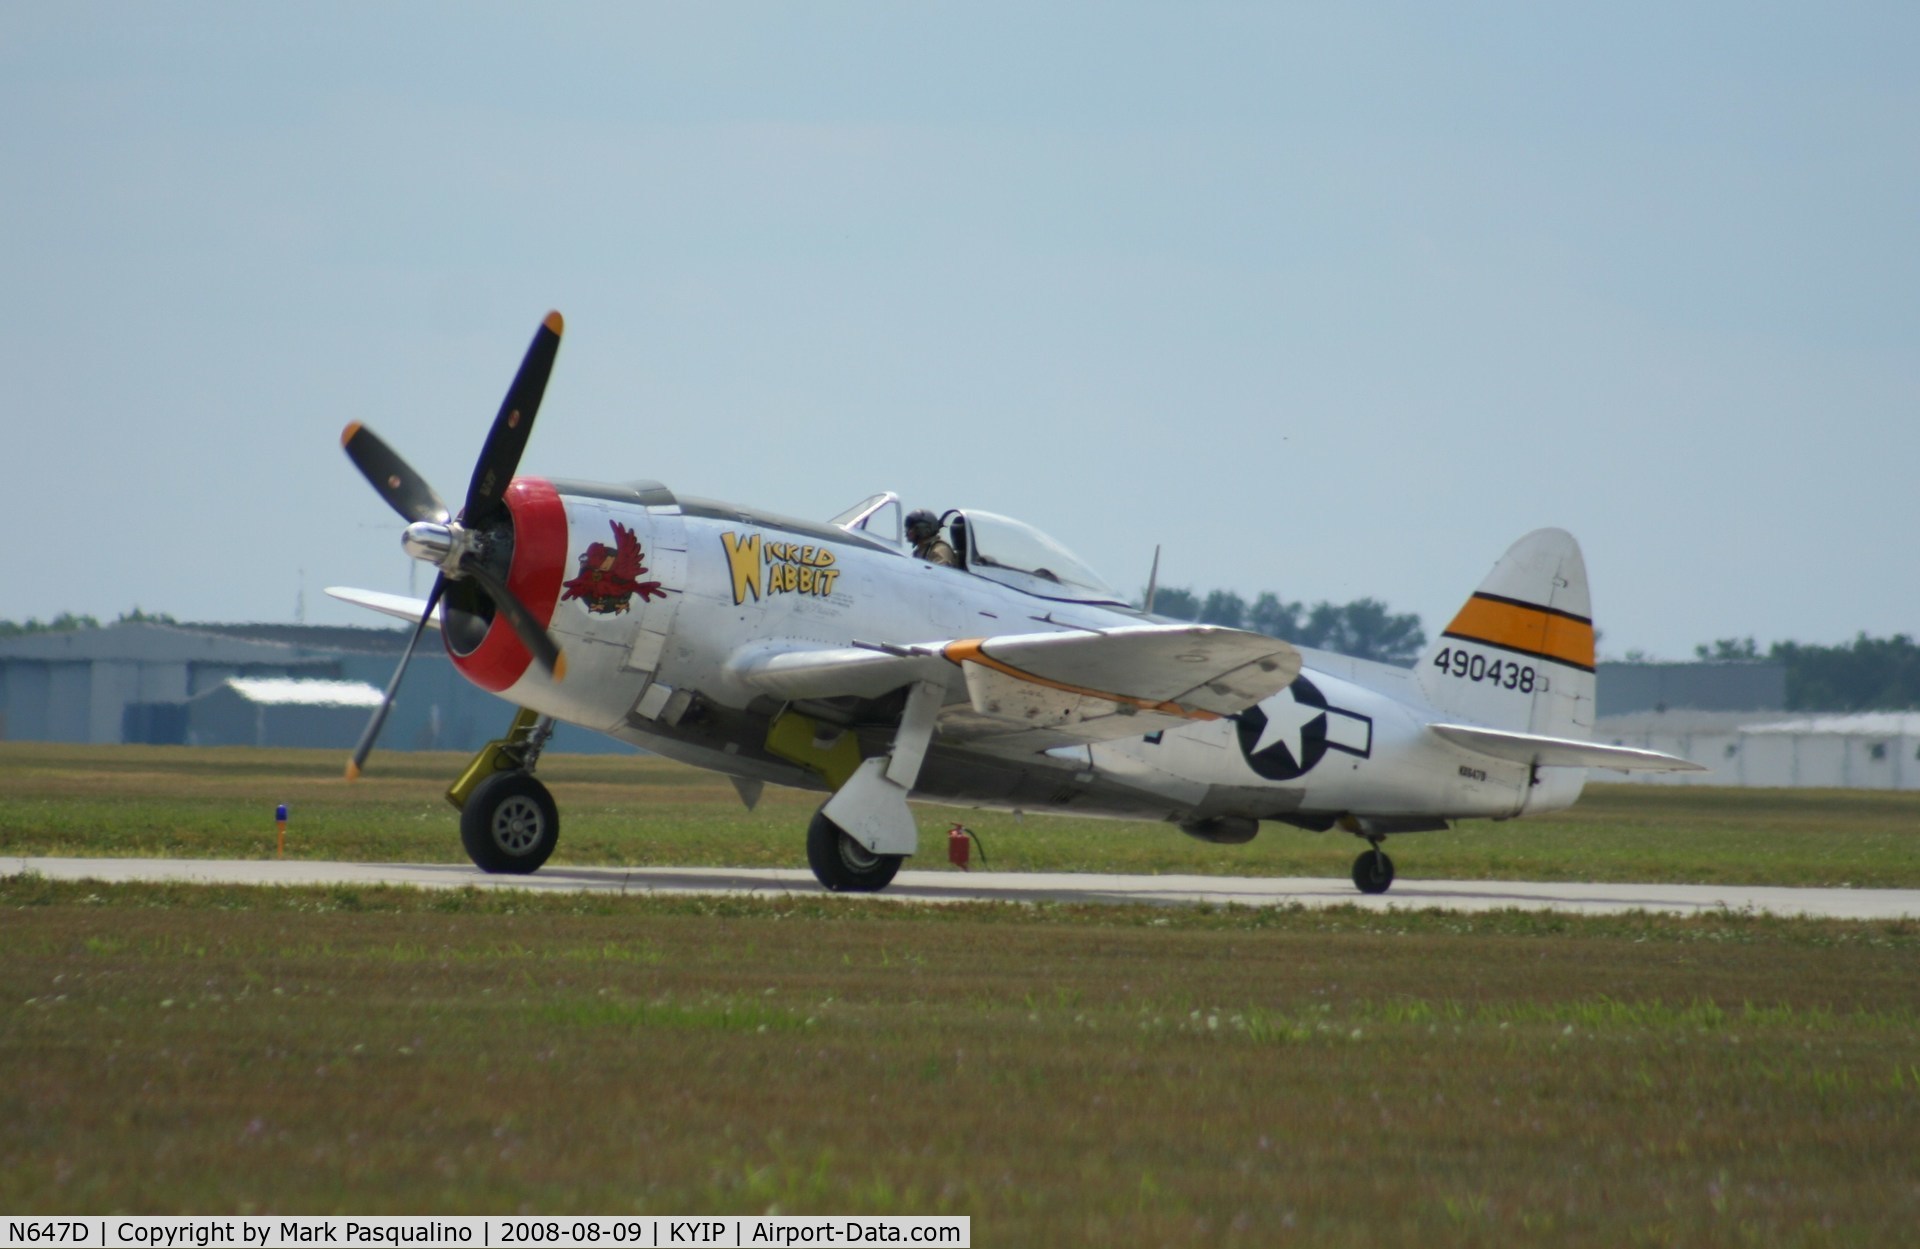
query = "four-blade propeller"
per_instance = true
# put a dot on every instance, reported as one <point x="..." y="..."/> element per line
<point x="458" y="546"/>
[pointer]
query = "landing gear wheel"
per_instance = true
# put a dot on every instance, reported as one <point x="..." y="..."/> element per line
<point x="843" y="864"/>
<point x="1373" y="871"/>
<point x="509" y="823"/>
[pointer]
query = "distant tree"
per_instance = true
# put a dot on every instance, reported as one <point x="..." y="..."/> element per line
<point x="65" y="622"/>
<point x="1224" y="607"/>
<point x="1175" y="604"/>
<point x="1321" y="628"/>
<point x="1728" y="649"/>
<point x="1271" y="616"/>
<point x="68" y="622"/>
<point x="1364" y="628"/>
<point x="1868" y="674"/>
<point x="1369" y="631"/>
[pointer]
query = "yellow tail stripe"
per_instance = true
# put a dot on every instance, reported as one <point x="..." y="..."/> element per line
<point x="1525" y="628"/>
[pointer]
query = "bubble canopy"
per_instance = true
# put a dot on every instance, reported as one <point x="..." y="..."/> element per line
<point x="1016" y="554"/>
<point x="993" y="547"/>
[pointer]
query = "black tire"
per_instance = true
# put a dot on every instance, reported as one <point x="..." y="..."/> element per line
<point x="843" y="864"/>
<point x="509" y="824"/>
<point x="1373" y="871"/>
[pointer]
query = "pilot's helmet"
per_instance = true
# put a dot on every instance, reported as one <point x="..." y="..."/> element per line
<point x="922" y="524"/>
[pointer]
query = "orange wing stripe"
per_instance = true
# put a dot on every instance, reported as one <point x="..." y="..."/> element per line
<point x="1522" y="627"/>
<point x="973" y="651"/>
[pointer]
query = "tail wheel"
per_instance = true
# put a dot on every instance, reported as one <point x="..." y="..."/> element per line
<point x="843" y="864"/>
<point x="1373" y="871"/>
<point x="509" y="824"/>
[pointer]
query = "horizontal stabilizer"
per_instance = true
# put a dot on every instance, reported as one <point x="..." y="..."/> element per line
<point x="1560" y="752"/>
<point x="398" y="606"/>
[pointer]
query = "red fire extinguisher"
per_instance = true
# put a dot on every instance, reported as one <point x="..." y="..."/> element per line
<point x="958" y="846"/>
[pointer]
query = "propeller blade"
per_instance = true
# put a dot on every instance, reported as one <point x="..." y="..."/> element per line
<point x="520" y="618"/>
<point x="405" y="491"/>
<point x="511" y="428"/>
<point x="372" y="733"/>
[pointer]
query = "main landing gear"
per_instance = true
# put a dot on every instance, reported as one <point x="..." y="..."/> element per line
<point x="860" y="836"/>
<point x="1373" y="870"/>
<point x="843" y="864"/>
<point x="508" y="820"/>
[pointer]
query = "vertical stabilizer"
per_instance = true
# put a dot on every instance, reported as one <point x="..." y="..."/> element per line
<point x="1519" y="654"/>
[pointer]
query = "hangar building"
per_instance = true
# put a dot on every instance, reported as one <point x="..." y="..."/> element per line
<point x="142" y="681"/>
<point x="1871" y="750"/>
<point x="1730" y="718"/>
<point x="261" y="711"/>
<point x="1624" y="688"/>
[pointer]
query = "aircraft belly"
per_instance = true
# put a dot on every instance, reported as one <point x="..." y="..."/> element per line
<point x="973" y="780"/>
<point x="716" y="758"/>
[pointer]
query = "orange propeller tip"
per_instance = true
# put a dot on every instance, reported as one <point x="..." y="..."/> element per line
<point x="346" y="435"/>
<point x="560" y="666"/>
<point x="555" y="322"/>
<point x="353" y="770"/>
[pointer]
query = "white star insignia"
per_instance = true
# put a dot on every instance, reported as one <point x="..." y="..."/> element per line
<point x="1287" y="717"/>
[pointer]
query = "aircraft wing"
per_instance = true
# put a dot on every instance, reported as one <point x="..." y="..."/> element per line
<point x="862" y="671"/>
<point x="1041" y="690"/>
<point x="1189" y="671"/>
<point x="1049" y="689"/>
<point x="396" y="605"/>
<point x="1560" y="752"/>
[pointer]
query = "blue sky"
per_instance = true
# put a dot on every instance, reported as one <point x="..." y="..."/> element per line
<point x="1328" y="300"/>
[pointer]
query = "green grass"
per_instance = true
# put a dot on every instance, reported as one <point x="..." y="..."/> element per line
<point x="1063" y="1074"/>
<point x="181" y="802"/>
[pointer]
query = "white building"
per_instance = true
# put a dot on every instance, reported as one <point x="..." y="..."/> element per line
<point x="268" y="711"/>
<point x="1868" y="750"/>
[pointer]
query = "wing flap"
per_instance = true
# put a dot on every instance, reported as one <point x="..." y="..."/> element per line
<point x="1560" y="752"/>
<point x="1125" y="682"/>
<point x="1190" y="671"/>
<point x="1078" y="686"/>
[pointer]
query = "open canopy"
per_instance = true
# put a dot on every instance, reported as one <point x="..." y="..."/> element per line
<point x="995" y="547"/>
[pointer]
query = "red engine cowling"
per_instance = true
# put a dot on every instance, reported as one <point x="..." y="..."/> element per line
<point x="482" y="645"/>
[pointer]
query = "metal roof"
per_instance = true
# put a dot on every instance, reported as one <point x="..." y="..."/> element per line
<point x="145" y="642"/>
<point x="355" y="638"/>
<point x="1682" y="720"/>
<point x="1860" y="724"/>
<point x="295" y="692"/>
<point x="1674" y="723"/>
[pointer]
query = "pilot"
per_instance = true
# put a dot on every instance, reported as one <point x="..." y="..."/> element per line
<point x="923" y="530"/>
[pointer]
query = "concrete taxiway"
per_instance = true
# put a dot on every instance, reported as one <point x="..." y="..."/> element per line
<point x="955" y="886"/>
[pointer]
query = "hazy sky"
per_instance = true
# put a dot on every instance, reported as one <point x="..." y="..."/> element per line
<point x="1332" y="300"/>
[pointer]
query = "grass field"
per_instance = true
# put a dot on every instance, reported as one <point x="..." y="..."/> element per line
<point x="181" y="802"/>
<point x="1099" y="1075"/>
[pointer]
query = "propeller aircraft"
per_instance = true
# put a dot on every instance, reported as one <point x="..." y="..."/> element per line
<point x="826" y="656"/>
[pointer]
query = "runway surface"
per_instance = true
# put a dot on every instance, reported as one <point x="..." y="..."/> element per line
<point x="955" y="886"/>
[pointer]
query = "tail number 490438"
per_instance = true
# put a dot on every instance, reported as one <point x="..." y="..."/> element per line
<point x="1457" y="661"/>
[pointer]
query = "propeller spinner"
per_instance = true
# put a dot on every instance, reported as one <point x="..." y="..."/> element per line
<point x="459" y="547"/>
